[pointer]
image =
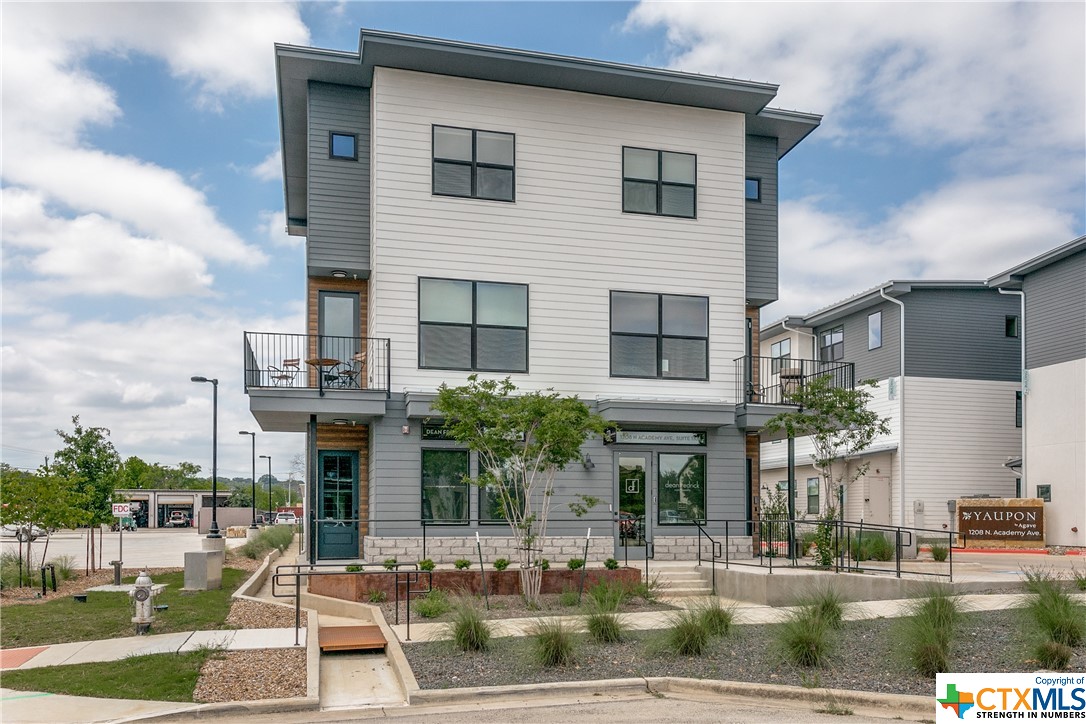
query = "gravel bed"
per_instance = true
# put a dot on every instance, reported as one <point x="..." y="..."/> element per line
<point x="514" y="607"/>
<point x="258" y="614"/>
<point x="866" y="658"/>
<point x="252" y="675"/>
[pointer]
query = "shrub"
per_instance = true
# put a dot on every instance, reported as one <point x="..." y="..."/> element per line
<point x="470" y="631"/>
<point x="604" y="626"/>
<point x="433" y="604"/>
<point x="1056" y="616"/>
<point x="607" y="596"/>
<point x="276" y="537"/>
<point x="805" y="638"/>
<point x="717" y="619"/>
<point x="647" y="591"/>
<point x="501" y="564"/>
<point x="575" y="564"/>
<point x="872" y="545"/>
<point x="544" y="564"/>
<point x="553" y="643"/>
<point x="688" y="634"/>
<point x="427" y="565"/>
<point x="927" y="633"/>
<point x="569" y="597"/>
<point x="65" y="567"/>
<point x="612" y="565"/>
<point x="1079" y="578"/>
<point x="939" y="552"/>
<point x="1053" y="655"/>
<point x="377" y="596"/>
<point x="462" y="564"/>
<point x="390" y="564"/>
<point x="353" y="568"/>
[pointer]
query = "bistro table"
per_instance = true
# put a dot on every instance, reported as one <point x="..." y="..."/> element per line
<point x="326" y="367"/>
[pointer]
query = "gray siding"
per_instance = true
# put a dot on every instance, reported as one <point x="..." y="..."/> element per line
<point x="1056" y="312"/>
<point x="395" y="484"/>
<point x="761" y="229"/>
<point x="339" y="190"/>
<point x="881" y="363"/>
<point x="960" y="334"/>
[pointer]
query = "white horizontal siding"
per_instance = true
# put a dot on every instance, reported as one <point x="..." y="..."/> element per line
<point x="565" y="235"/>
<point x="958" y="435"/>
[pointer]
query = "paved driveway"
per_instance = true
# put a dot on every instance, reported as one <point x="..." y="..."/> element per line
<point x="155" y="548"/>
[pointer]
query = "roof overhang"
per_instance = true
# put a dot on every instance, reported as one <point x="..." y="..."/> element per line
<point x="295" y="66"/>
<point x="871" y="297"/>
<point x="672" y="414"/>
<point x="1012" y="278"/>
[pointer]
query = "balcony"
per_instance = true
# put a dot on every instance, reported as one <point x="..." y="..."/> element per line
<point x="764" y="384"/>
<point x="291" y="377"/>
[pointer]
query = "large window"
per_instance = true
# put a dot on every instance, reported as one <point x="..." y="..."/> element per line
<point x="659" y="335"/>
<point x="465" y="325"/>
<point x="659" y="182"/>
<point x="474" y="164"/>
<point x="492" y="507"/>
<point x="812" y="496"/>
<point x="780" y="352"/>
<point x="831" y="345"/>
<point x="874" y="330"/>
<point x="445" y="486"/>
<point x="681" y="488"/>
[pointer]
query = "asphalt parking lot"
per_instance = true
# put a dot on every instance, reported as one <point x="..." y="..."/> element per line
<point x="154" y="548"/>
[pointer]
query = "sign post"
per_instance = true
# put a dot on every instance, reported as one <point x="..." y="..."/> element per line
<point x="121" y="511"/>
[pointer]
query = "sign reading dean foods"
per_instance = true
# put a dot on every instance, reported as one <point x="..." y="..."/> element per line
<point x="985" y="522"/>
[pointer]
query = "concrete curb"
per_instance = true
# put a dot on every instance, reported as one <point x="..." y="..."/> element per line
<point x="237" y="708"/>
<point x="900" y="703"/>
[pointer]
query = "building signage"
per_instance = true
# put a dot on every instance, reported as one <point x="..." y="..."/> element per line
<point x="1001" y="523"/>
<point x="642" y="437"/>
<point x="435" y="432"/>
<point x="121" y="510"/>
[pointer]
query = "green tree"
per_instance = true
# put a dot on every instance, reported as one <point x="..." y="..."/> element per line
<point x="522" y="441"/>
<point x="840" y="425"/>
<point x="42" y="499"/>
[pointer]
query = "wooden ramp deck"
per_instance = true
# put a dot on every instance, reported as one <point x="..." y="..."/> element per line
<point x="351" y="638"/>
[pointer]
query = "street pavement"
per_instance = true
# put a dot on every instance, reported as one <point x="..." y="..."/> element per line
<point x="144" y="548"/>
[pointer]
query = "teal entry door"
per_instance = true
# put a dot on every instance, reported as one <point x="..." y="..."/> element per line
<point x="337" y="504"/>
<point x="633" y="509"/>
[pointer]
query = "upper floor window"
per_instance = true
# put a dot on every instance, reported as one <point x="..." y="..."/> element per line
<point x="659" y="182"/>
<point x="780" y="351"/>
<point x="754" y="189"/>
<point x="343" y="145"/>
<point x="1018" y="408"/>
<point x="831" y="345"/>
<point x="1010" y="325"/>
<point x="466" y="325"/>
<point x="473" y="164"/>
<point x="812" y="496"/>
<point x="659" y="335"/>
<point x="874" y="330"/>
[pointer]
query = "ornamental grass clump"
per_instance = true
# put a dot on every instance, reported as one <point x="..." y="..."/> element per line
<point x="939" y="552"/>
<point x="806" y="637"/>
<point x="553" y="643"/>
<point x="433" y="604"/>
<point x="826" y="602"/>
<point x="603" y="624"/>
<point x="689" y="635"/>
<point x="717" y="619"/>
<point x="470" y="631"/>
<point x="607" y="596"/>
<point x="926" y="635"/>
<point x="1054" y="614"/>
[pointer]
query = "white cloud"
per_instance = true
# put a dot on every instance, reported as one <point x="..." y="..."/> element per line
<point x="273" y="225"/>
<point x="271" y="168"/>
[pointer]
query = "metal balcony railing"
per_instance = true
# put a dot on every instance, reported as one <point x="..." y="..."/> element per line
<point x="317" y="362"/>
<point x="771" y="380"/>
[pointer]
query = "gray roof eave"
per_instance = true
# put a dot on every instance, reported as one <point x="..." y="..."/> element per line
<point x="296" y="66"/>
<point x="1012" y="278"/>
<point x="871" y="297"/>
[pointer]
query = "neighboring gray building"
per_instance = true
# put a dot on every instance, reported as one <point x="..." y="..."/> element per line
<point x="604" y="230"/>
<point x="1053" y="463"/>
<point x="951" y="373"/>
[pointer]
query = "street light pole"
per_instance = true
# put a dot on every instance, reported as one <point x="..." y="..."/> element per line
<point x="253" y="434"/>
<point x="269" y="482"/>
<point x="213" y="532"/>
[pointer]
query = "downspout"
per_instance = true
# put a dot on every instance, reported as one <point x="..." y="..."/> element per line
<point x="900" y="402"/>
<point x="814" y="339"/>
<point x="1022" y="381"/>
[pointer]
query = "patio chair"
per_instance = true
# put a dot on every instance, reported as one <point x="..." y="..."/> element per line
<point x="284" y="376"/>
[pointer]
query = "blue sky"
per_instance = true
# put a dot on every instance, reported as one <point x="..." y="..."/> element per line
<point x="142" y="199"/>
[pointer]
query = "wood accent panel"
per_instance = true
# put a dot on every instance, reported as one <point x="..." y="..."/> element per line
<point x="316" y="285"/>
<point x="755" y="317"/>
<point x="355" y="438"/>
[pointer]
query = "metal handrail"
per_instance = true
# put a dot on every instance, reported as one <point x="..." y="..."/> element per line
<point x="771" y="380"/>
<point x="314" y="361"/>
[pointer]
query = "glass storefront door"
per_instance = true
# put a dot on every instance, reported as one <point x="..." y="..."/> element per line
<point x="633" y="504"/>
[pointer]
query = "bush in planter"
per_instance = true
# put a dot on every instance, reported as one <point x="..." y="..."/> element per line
<point x="377" y="596"/>
<point x="434" y="604"/>
<point x="611" y="564"/>
<point x="354" y="568"/>
<point x="569" y="597"/>
<point x="575" y="564"/>
<point x="427" y="565"/>
<point x="462" y="564"/>
<point x="501" y="564"/>
<point x="390" y="564"/>
<point x="544" y="564"/>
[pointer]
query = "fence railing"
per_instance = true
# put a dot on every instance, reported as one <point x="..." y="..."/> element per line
<point x="315" y="361"/>
<point x="773" y="380"/>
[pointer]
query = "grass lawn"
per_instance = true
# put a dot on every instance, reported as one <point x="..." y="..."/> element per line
<point x="156" y="677"/>
<point x="108" y="615"/>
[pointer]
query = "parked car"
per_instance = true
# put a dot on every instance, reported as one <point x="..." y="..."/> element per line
<point x="178" y="519"/>
<point x="23" y="532"/>
<point x="127" y="523"/>
<point x="286" y="517"/>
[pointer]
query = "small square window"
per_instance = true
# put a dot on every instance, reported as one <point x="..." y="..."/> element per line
<point x="343" y="145"/>
<point x="1010" y="325"/>
<point x="754" y="189"/>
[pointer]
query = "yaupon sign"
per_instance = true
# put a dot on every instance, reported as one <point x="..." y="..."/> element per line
<point x="988" y="522"/>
